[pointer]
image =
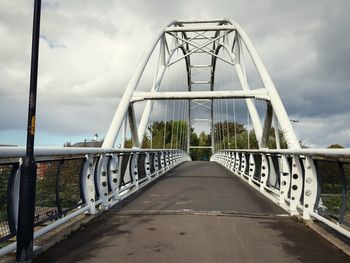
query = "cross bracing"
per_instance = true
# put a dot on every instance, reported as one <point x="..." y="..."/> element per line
<point x="202" y="45"/>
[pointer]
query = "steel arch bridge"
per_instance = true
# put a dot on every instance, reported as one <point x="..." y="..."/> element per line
<point x="206" y="38"/>
<point x="98" y="179"/>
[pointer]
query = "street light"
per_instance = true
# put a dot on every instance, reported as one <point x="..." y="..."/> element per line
<point x="26" y="207"/>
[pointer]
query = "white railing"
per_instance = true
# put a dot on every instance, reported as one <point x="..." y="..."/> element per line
<point x="73" y="181"/>
<point x="310" y="183"/>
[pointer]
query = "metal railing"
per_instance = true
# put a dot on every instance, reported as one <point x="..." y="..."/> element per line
<point x="73" y="181"/>
<point x="311" y="183"/>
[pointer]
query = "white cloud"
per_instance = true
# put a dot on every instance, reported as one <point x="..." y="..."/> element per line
<point x="89" y="50"/>
<point x="324" y="131"/>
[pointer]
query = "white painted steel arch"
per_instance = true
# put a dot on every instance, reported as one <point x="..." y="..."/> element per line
<point x="180" y="30"/>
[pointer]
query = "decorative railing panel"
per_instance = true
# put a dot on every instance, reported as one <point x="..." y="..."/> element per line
<point x="312" y="183"/>
<point x="72" y="181"/>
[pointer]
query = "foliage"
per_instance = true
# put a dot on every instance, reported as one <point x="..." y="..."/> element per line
<point x="5" y="172"/>
<point x="172" y="135"/>
<point x="228" y="135"/>
<point x="335" y="146"/>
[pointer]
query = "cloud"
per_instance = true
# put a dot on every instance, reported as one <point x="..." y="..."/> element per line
<point x="90" y="49"/>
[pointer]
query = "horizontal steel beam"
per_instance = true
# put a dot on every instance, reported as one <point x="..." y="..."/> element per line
<point x="202" y="21"/>
<point x="306" y="152"/>
<point x="199" y="28"/>
<point x="201" y="82"/>
<point x="10" y="152"/>
<point x="201" y="66"/>
<point x="180" y="95"/>
<point x="201" y="120"/>
<point x="201" y="147"/>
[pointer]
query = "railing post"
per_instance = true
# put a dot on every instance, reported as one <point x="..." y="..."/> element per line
<point x="114" y="171"/>
<point x="251" y="166"/>
<point x="264" y="172"/>
<point x="14" y="198"/>
<point x="284" y="179"/>
<point x="228" y="160"/>
<point x="238" y="163"/>
<point x="102" y="179"/>
<point x="134" y="169"/>
<point x="155" y="164"/>
<point x="232" y="162"/>
<point x="162" y="162"/>
<point x="147" y="166"/>
<point x="310" y="187"/>
<point x="167" y="160"/>
<point x="243" y="164"/>
<point x="171" y="159"/>
<point x="296" y="185"/>
<point x="88" y="184"/>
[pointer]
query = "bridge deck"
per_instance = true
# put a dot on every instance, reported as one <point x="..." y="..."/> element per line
<point x="198" y="212"/>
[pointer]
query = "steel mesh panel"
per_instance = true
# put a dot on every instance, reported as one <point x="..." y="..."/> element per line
<point x="240" y="162"/>
<point x="257" y="160"/>
<point x="108" y="173"/>
<point x="124" y="169"/>
<point x="6" y="171"/>
<point x="141" y="165"/>
<point x="95" y="161"/>
<point x="159" y="155"/>
<point x="347" y="180"/>
<point x="274" y="178"/>
<point x="151" y="160"/>
<point x="331" y="189"/>
<point x="69" y="184"/>
<point x="45" y="199"/>
<point x="246" y="170"/>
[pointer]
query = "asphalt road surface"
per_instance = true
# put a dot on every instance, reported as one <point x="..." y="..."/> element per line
<point x="198" y="212"/>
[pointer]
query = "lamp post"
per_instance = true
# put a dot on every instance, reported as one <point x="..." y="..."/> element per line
<point x="26" y="208"/>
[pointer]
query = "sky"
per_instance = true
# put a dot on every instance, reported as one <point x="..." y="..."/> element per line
<point x="90" y="49"/>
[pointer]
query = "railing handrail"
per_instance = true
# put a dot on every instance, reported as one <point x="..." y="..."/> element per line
<point x="95" y="180"/>
<point x="12" y="152"/>
<point x="292" y="178"/>
<point x="344" y="152"/>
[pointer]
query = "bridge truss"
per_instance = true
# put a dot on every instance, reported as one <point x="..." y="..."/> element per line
<point x="207" y="39"/>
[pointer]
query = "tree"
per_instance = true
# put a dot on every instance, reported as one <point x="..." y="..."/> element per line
<point x="228" y="135"/>
<point x="335" y="146"/>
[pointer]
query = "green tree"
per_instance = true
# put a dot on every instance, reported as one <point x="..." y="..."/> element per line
<point x="335" y="146"/>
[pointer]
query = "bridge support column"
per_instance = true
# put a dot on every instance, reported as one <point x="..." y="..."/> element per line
<point x="133" y="127"/>
<point x="267" y="126"/>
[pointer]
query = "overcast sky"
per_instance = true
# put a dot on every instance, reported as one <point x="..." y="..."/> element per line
<point x="89" y="50"/>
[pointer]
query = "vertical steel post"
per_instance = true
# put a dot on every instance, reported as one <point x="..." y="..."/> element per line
<point x="212" y="128"/>
<point x="189" y="127"/>
<point x="28" y="170"/>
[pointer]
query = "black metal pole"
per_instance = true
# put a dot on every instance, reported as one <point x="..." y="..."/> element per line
<point x="28" y="171"/>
